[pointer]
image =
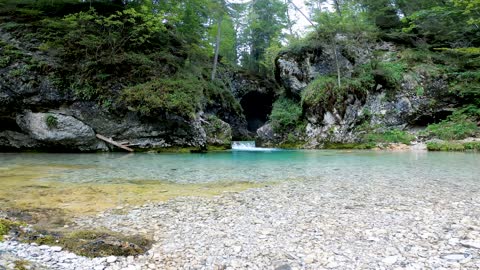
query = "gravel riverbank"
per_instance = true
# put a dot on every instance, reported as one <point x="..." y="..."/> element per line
<point x="325" y="224"/>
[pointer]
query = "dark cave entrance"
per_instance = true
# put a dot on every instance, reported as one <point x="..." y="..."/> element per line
<point x="436" y="117"/>
<point x="256" y="107"/>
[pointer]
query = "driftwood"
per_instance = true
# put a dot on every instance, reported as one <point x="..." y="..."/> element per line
<point x="112" y="142"/>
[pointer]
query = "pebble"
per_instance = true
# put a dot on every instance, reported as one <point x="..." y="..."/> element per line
<point x="324" y="224"/>
<point x="390" y="260"/>
<point x="471" y="244"/>
<point x="111" y="259"/>
<point x="56" y="249"/>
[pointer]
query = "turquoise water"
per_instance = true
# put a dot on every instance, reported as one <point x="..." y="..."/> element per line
<point x="361" y="166"/>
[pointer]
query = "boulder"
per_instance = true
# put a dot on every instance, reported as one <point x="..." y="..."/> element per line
<point x="218" y="132"/>
<point x="59" y="131"/>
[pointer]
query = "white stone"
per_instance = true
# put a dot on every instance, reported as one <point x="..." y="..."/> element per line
<point x="470" y="244"/>
<point x="56" y="249"/>
<point x="111" y="259"/>
<point x="390" y="260"/>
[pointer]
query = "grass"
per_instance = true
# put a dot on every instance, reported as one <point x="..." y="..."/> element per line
<point x="349" y="146"/>
<point x="390" y="136"/>
<point x="453" y="146"/>
<point x="286" y="114"/>
<point x="7" y="225"/>
<point x="458" y="126"/>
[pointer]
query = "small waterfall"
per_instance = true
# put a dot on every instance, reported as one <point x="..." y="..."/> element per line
<point x="248" y="146"/>
<point x="244" y="145"/>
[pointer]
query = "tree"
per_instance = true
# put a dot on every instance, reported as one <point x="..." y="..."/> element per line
<point x="266" y="20"/>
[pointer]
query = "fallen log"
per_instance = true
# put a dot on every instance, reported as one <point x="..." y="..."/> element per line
<point x="112" y="142"/>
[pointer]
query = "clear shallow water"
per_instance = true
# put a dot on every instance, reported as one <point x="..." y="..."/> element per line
<point x="399" y="167"/>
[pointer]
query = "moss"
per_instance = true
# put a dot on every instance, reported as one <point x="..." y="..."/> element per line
<point x="51" y="121"/>
<point x="359" y="146"/>
<point x="292" y="145"/>
<point x="89" y="243"/>
<point x="6" y="226"/>
<point x="472" y="146"/>
<point x="21" y="265"/>
<point x="389" y="136"/>
<point x="217" y="148"/>
<point x="456" y="127"/>
<point x="453" y="146"/>
<point x="445" y="146"/>
<point x="25" y="188"/>
<point x="103" y="243"/>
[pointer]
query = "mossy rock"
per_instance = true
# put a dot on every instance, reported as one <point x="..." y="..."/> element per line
<point x="6" y="226"/>
<point x="99" y="244"/>
<point x="89" y="243"/>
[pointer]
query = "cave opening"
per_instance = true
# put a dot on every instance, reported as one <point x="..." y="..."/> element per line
<point x="425" y="120"/>
<point x="9" y="123"/>
<point x="256" y="108"/>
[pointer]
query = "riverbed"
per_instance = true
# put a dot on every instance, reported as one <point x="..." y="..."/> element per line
<point x="260" y="210"/>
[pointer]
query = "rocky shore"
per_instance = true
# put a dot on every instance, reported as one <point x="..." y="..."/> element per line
<point x="324" y="224"/>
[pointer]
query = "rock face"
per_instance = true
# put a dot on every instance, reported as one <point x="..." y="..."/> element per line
<point x="294" y="70"/>
<point x="218" y="132"/>
<point x="256" y="96"/>
<point x="419" y="100"/>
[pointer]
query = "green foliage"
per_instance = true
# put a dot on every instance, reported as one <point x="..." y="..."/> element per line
<point x="453" y="146"/>
<point x="266" y="19"/>
<point x="345" y="146"/>
<point x="390" y="73"/>
<point x="445" y="146"/>
<point x="456" y="127"/>
<point x="51" y="121"/>
<point x="471" y="8"/>
<point x="216" y="94"/>
<point x="467" y="85"/>
<point x="472" y="146"/>
<point x="21" y="265"/>
<point x="181" y="95"/>
<point x="9" y="54"/>
<point x="389" y="136"/>
<point x="286" y="114"/>
<point x="6" y="226"/>
<point x="324" y="92"/>
<point x="442" y="24"/>
<point x="420" y="91"/>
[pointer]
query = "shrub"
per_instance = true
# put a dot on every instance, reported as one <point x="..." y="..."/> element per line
<point x="51" y="121"/>
<point x="389" y="73"/>
<point x="286" y="114"/>
<point x="445" y="146"/>
<point x="322" y="91"/>
<point x="6" y="226"/>
<point x="178" y="95"/>
<point x="390" y="136"/>
<point x="472" y="146"/>
<point x="456" y="127"/>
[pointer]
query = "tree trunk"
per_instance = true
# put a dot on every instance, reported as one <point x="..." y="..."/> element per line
<point x="334" y="45"/>
<point x="337" y="7"/>
<point x="217" y="48"/>
<point x="289" y="21"/>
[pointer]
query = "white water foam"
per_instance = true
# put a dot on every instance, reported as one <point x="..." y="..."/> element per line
<point x="249" y="146"/>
